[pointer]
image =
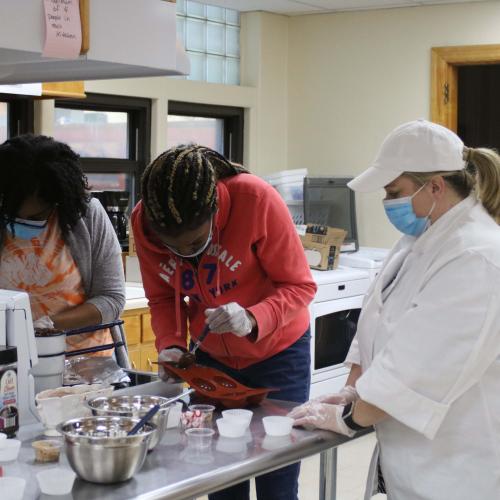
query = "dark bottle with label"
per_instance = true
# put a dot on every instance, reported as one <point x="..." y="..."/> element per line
<point x="9" y="416"/>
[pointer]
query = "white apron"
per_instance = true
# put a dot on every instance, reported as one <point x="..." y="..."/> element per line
<point x="429" y="348"/>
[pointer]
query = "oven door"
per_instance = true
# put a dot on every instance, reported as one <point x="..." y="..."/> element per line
<point x="333" y="326"/>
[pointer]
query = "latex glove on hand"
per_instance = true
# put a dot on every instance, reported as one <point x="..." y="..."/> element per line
<point x="347" y="394"/>
<point x="170" y="355"/>
<point x="314" y="415"/>
<point x="229" y="318"/>
<point x="43" y="322"/>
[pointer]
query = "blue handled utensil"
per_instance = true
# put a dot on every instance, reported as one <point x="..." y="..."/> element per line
<point x="144" y="420"/>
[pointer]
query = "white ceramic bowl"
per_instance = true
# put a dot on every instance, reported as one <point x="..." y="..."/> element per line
<point x="239" y="413"/>
<point x="12" y="487"/>
<point x="278" y="426"/>
<point x="10" y="451"/>
<point x="56" y="481"/>
<point x="232" y="427"/>
<point x="65" y="403"/>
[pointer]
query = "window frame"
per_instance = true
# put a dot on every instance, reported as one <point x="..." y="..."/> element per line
<point x="234" y="122"/>
<point x="20" y="114"/>
<point x="138" y="110"/>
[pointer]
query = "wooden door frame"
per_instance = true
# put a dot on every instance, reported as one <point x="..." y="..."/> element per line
<point x="444" y="77"/>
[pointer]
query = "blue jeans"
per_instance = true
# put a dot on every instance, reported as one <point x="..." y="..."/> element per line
<point x="289" y="371"/>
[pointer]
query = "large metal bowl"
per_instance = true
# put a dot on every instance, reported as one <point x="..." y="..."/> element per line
<point x="134" y="407"/>
<point x="99" y="449"/>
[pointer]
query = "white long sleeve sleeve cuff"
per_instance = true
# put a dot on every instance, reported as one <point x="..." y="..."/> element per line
<point x="380" y="388"/>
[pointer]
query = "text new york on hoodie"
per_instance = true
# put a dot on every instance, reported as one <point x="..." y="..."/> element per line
<point x="255" y="259"/>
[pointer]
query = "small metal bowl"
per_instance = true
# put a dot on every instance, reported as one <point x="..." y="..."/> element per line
<point x="133" y="407"/>
<point x="99" y="449"/>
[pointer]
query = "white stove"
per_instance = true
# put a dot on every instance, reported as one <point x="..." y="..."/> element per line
<point x="334" y="312"/>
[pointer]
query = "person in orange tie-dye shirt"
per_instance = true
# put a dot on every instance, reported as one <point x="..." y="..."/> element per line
<point x="56" y="242"/>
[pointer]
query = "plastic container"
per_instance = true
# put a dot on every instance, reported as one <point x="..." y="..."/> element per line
<point x="47" y="450"/>
<point x="199" y="439"/>
<point x="289" y="183"/>
<point x="231" y="445"/>
<point x="198" y="416"/>
<point x="10" y="451"/>
<point x="9" y="413"/>
<point x="12" y="488"/>
<point x="56" y="481"/>
<point x="233" y="427"/>
<point x="3" y="440"/>
<point x="64" y="403"/>
<point x="239" y="413"/>
<point x="277" y="425"/>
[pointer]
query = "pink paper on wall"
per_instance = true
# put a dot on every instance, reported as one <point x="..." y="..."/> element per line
<point x="63" y="30"/>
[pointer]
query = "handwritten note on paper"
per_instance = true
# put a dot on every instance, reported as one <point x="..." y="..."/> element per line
<point x="63" y="31"/>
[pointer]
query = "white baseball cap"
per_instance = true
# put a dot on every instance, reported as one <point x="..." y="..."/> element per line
<point x="416" y="146"/>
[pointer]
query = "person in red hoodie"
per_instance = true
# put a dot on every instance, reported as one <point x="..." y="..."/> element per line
<point x="208" y="230"/>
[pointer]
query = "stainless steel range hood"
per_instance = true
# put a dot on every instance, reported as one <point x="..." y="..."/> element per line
<point x="128" y="38"/>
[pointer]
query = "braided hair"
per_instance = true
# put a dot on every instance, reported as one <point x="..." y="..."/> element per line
<point x="179" y="188"/>
<point x="36" y="165"/>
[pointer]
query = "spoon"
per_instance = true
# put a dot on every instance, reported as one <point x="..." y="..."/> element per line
<point x="144" y="420"/>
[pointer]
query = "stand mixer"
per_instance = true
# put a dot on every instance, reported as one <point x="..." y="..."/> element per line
<point x="16" y="329"/>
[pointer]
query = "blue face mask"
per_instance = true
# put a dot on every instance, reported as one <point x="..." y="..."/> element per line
<point x="27" y="229"/>
<point x="402" y="216"/>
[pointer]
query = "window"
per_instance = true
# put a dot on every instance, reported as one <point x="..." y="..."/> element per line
<point x="16" y="116"/>
<point x="112" y="136"/>
<point x="4" y="107"/>
<point x="211" y="36"/>
<point x="217" y="127"/>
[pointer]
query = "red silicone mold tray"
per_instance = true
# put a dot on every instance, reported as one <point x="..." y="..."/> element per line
<point x="214" y="385"/>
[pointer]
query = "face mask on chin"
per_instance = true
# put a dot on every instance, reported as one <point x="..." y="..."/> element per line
<point x="27" y="229"/>
<point x="199" y="251"/>
<point x="402" y="216"/>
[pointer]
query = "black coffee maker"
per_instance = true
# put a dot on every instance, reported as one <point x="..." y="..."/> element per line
<point x="116" y="205"/>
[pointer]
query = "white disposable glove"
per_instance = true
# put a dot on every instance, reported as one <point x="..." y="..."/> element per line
<point x="229" y="318"/>
<point x="347" y="394"/>
<point x="170" y="355"/>
<point x="43" y="322"/>
<point x="314" y="415"/>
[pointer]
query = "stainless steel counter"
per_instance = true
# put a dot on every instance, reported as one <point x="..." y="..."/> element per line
<point x="173" y="471"/>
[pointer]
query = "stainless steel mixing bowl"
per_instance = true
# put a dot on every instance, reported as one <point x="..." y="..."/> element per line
<point x="99" y="449"/>
<point x="134" y="407"/>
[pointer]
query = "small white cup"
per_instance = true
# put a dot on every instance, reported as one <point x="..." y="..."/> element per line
<point x="3" y="439"/>
<point x="278" y="426"/>
<point x="56" y="481"/>
<point x="12" y="487"/>
<point x="239" y="413"/>
<point x="10" y="451"/>
<point x="233" y="427"/>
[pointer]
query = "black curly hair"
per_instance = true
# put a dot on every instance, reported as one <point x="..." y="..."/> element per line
<point x="179" y="188"/>
<point x="39" y="165"/>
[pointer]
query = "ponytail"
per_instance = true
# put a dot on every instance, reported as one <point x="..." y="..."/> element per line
<point x="486" y="164"/>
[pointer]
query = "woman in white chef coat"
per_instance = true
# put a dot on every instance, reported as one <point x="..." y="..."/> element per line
<point x="425" y="363"/>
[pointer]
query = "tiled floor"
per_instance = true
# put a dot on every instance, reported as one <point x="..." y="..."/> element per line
<point x="352" y="468"/>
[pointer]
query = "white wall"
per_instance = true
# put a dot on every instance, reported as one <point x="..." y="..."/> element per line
<point x="262" y="93"/>
<point x="322" y="91"/>
<point x="355" y="76"/>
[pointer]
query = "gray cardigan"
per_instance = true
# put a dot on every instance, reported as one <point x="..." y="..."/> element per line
<point x="97" y="253"/>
